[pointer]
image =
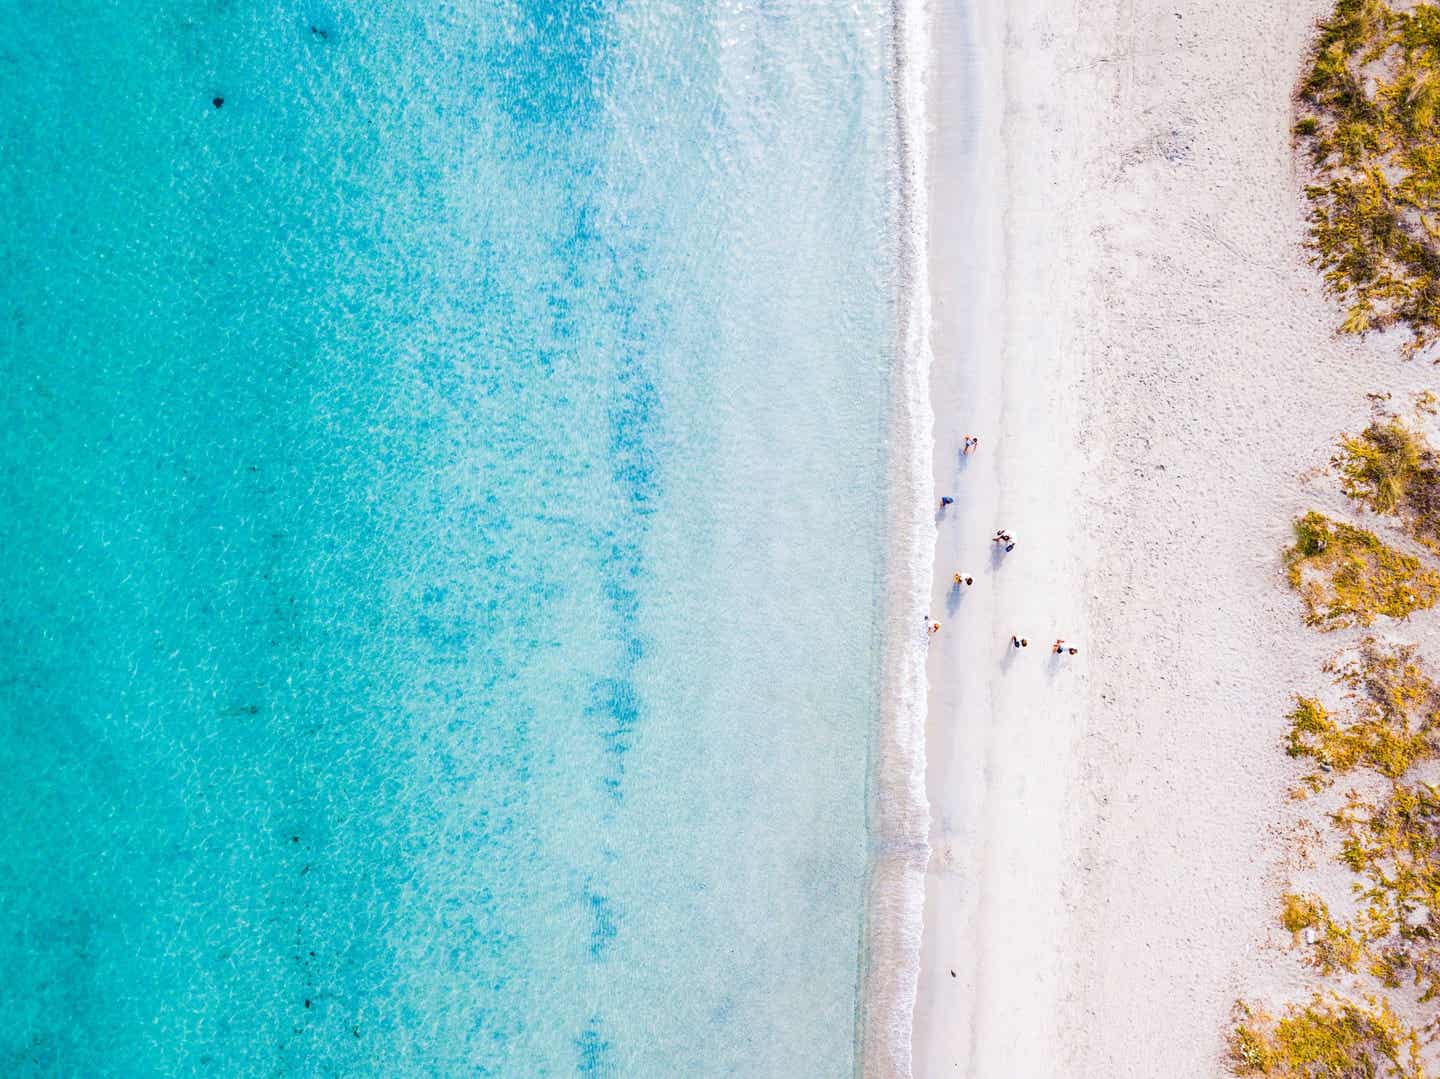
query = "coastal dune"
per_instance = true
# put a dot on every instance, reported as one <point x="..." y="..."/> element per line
<point x="1123" y="314"/>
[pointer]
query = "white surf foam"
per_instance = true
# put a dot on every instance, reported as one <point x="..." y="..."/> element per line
<point x="899" y="812"/>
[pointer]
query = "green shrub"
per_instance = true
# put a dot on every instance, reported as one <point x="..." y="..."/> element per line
<point x="1391" y="722"/>
<point x="1330" y="1038"/>
<point x="1392" y="470"/>
<point x="1347" y="577"/>
<point x="1371" y="100"/>
<point x="1299" y="912"/>
<point x="1393" y="844"/>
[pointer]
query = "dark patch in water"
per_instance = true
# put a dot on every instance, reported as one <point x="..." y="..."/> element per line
<point x="604" y="928"/>
<point x="593" y="1051"/>
<point x="632" y="418"/>
<point x="613" y="276"/>
<point x="550" y="66"/>
<point x="616" y="705"/>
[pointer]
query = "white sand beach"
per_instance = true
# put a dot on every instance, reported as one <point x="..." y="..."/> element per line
<point x="1123" y="313"/>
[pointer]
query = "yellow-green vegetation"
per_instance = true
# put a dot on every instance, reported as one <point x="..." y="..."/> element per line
<point x="1392" y="470"/>
<point x="1394" y="846"/>
<point x="1393" y="718"/>
<point x="1336" y="946"/>
<point x="1347" y="577"/>
<point x="1372" y="100"/>
<point x="1391" y="723"/>
<point x="1299" y="912"/>
<point x="1329" y="1038"/>
<point x="1370" y="122"/>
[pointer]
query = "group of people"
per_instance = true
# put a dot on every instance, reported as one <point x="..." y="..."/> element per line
<point x="1058" y="648"/>
<point x="964" y="580"/>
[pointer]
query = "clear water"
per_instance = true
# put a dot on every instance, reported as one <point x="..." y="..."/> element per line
<point x="443" y="534"/>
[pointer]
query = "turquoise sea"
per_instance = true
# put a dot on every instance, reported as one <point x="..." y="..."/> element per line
<point x="443" y="517"/>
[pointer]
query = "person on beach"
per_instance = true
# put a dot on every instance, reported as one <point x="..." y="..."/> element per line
<point x="961" y="579"/>
<point x="1060" y="647"/>
<point x="932" y="628"/>
<point x="945" y="500"/>
<point x="970" y="443"/>
<point x="1019" y="642"/>
<point x="1001" y="536"/>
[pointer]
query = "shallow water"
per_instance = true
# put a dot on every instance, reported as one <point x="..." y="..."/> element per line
<point x="444" y="535"/>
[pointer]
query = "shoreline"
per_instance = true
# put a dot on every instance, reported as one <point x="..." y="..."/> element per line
<point x="898" y="809"/>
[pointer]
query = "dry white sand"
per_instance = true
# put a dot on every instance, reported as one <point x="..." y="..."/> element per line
<point x="1124" y="315"/>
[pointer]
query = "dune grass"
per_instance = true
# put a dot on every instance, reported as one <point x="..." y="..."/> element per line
<point x="1371" y="125"/>
<point x="1390" y="723"/>
<point x="1391" y="469"/>
<point x="1347" y="577"/>
<point x="1337" y="946"/>
<point x="1393" y="844"/>
<point x="1392" y="718"/>
<point x="1331" y="1037"/>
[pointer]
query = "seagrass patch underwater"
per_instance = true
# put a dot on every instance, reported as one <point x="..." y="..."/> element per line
<point x="444" y="534"/>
